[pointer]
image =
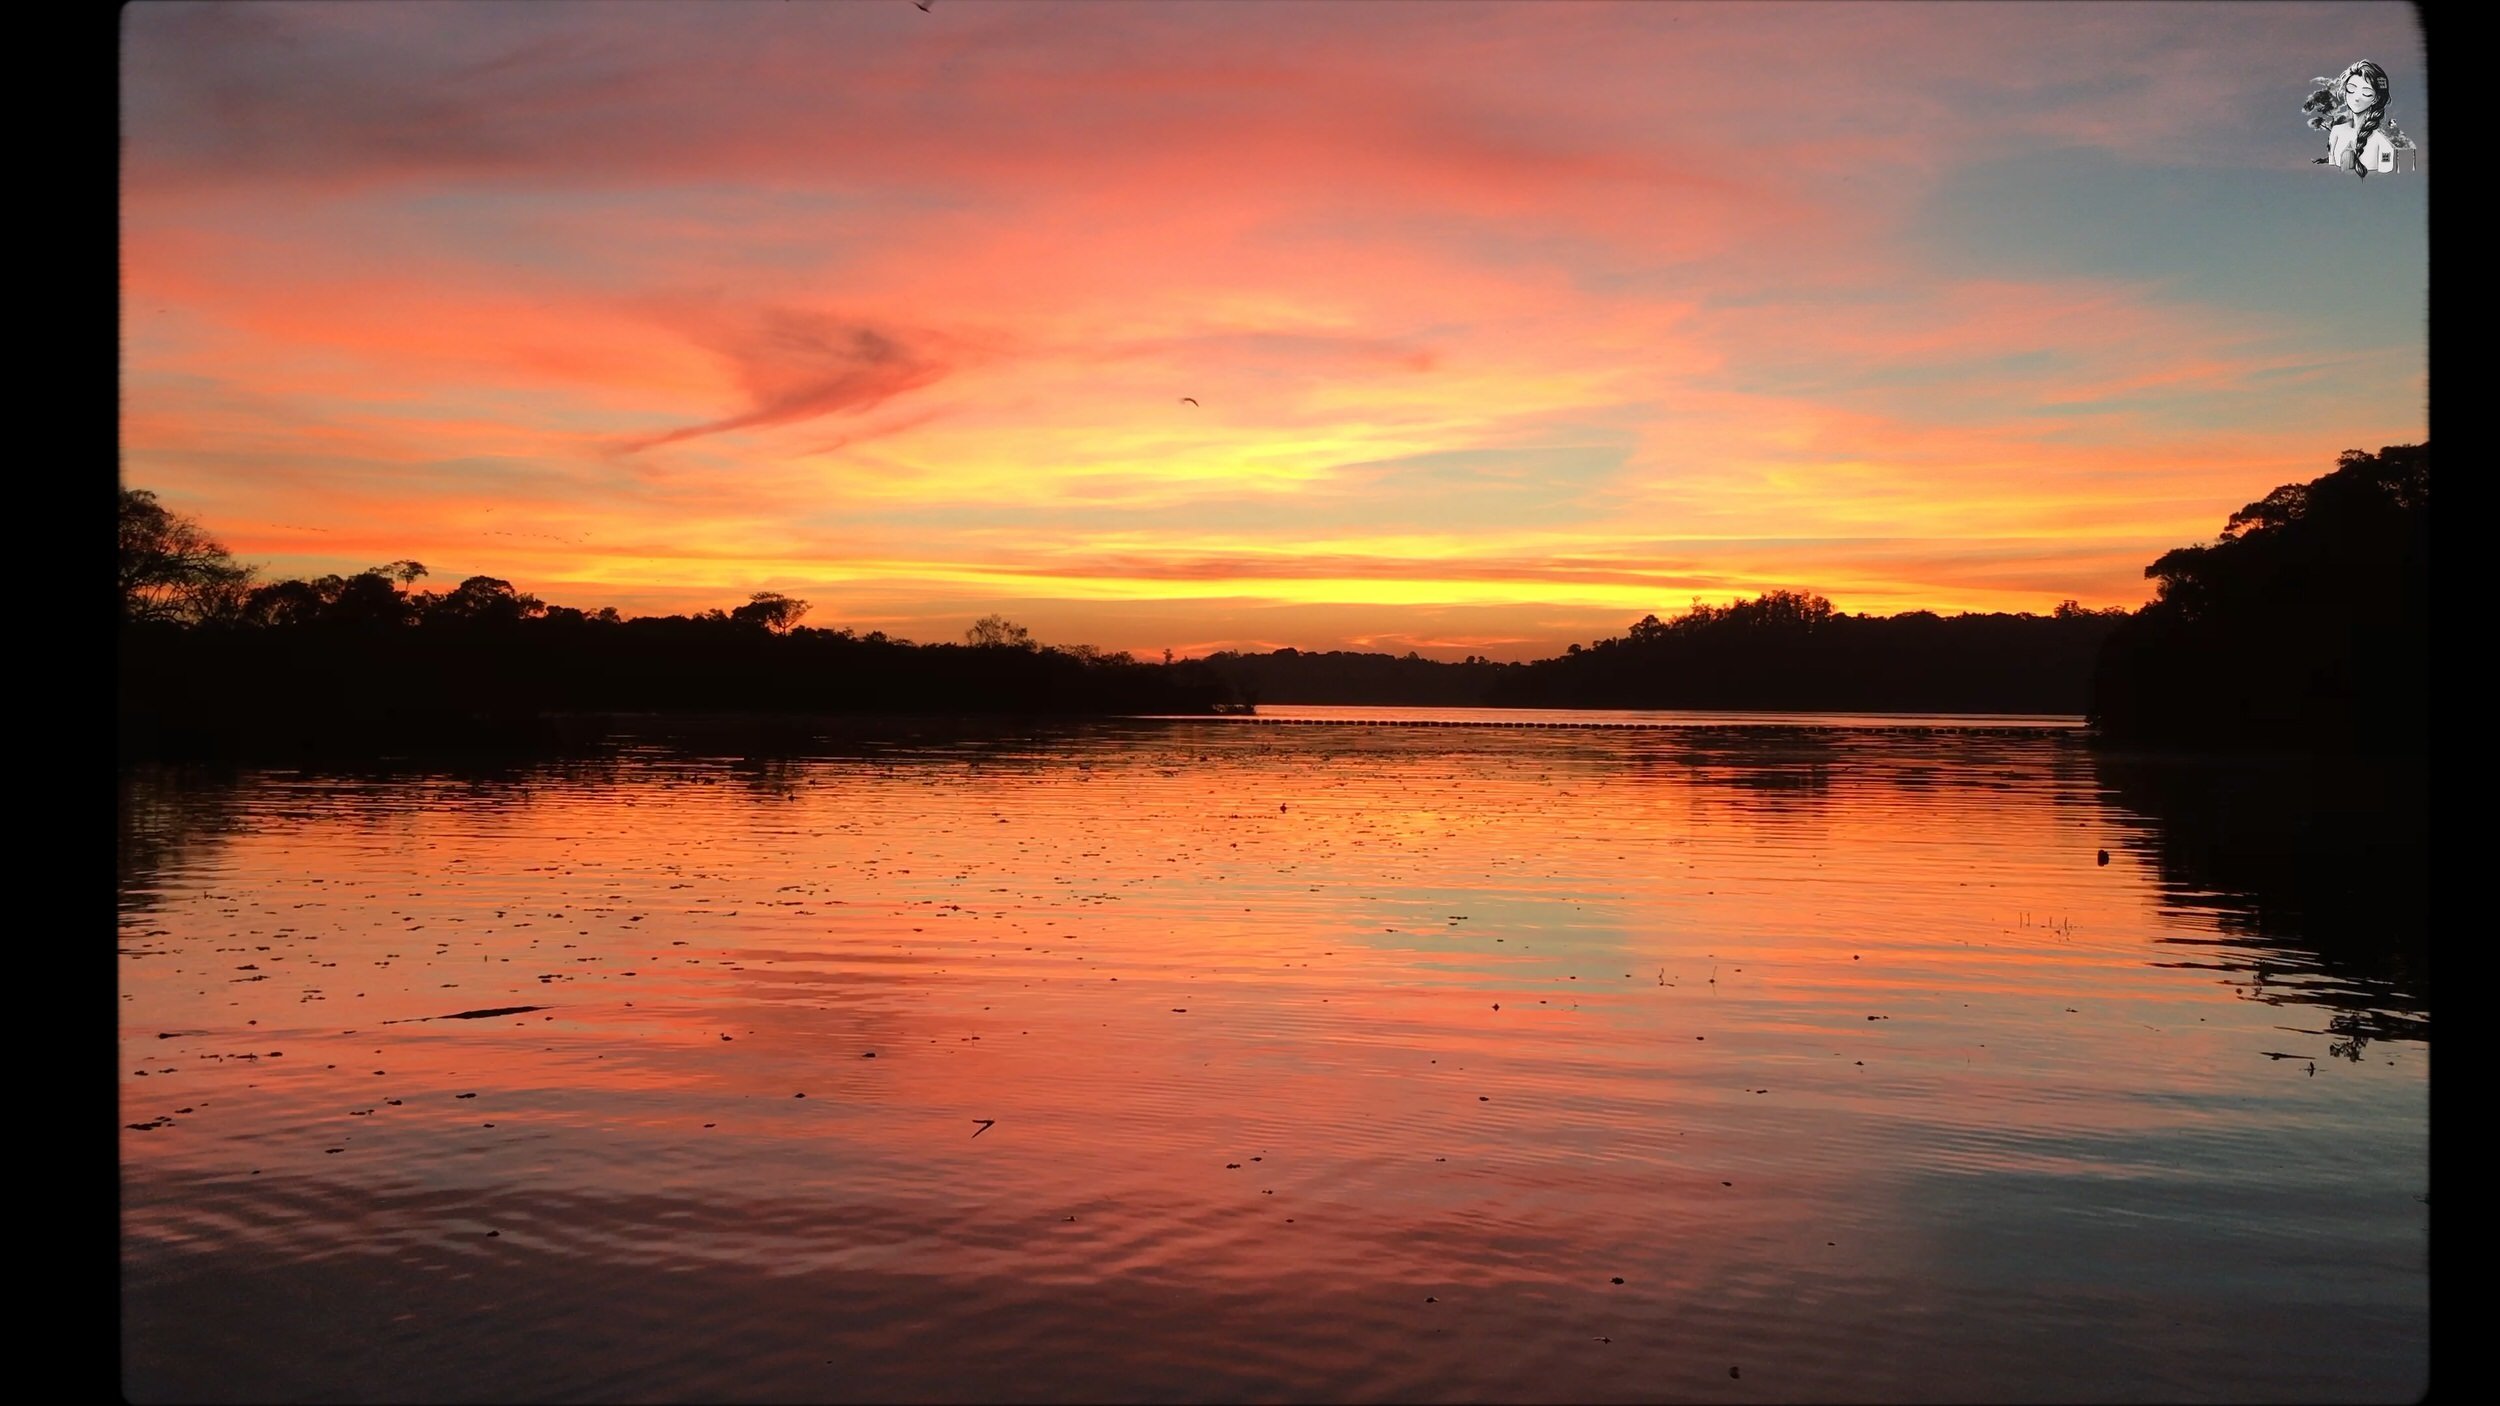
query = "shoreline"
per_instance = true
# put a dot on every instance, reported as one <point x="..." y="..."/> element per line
<point x="430" y="735"/>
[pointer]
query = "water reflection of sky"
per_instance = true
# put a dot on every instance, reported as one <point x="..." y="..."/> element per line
<point x="1822" y="1041"/>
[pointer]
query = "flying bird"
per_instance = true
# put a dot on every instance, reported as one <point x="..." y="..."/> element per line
<point x="923" y="7"/>
<point x="1189" y="400"/>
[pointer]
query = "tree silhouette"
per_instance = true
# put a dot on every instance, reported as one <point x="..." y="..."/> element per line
<point x="485" y="600"/>
<point x="370" y="599"/>
<point x="772" y="610"/>
<point x="1095" y="654"/>
<point x="285" y="603"/>
<point x="171" y="570"/>
<point x="2304" y="624"/>
<point x="998" y="632"/>
<point x="362" y="666"/>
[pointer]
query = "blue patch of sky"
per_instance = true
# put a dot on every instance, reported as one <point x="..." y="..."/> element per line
<point x="1983" y="379"/>
<point x="2347" y="257"/>
<point x="2340" y="265"/>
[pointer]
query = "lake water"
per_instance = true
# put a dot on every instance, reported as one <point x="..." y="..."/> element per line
<point x="1222" y="1060"/>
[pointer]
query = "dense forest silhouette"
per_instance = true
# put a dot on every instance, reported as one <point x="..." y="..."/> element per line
<point x="1780" y="650"/>
<point x="213" y="663"/>
<point x="1791" y="650"/>
<point x="2304" y="627"/>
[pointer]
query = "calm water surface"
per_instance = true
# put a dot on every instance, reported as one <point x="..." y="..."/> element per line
<point x="1221" y="1061"/>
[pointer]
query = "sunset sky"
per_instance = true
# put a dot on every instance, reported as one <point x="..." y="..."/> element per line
<point x="1507" y="324"/>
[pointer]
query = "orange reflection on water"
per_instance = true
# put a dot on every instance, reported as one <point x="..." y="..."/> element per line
<point x="1819" y="1041"/>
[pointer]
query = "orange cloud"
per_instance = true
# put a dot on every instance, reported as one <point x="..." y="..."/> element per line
<point x="1504" y="324"/>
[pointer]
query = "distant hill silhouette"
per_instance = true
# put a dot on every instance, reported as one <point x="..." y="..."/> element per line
<point x="2303" y="627"/>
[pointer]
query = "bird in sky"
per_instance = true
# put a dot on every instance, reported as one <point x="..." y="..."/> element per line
<point x="1189" y="400"/>
<point x="923" y="7"/>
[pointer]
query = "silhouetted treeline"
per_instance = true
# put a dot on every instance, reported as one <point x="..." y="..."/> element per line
<point x="2304" y="626"/>
<point x="1791" y="650"/>
<point x="329" y="687"/>
<point x="1342" y="676"/>
<point x="212" y="663"/>
<point x="337" y="686"/>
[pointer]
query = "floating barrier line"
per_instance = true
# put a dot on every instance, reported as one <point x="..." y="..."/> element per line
<point x="1907" y="729"/>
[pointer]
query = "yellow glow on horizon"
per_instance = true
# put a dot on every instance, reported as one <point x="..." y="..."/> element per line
<point x="1484" y="329"/>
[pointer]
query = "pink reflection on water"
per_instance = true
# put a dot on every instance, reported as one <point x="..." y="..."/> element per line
<point x="1828" y="1046"/>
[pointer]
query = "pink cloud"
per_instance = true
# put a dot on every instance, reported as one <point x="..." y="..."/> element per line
<point x="837" y="278"/>
<point x="800" y="366"/>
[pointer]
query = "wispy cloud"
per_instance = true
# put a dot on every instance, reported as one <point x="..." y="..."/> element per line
<point x="1538" y="314"/>
<point x="798" y="366"/>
